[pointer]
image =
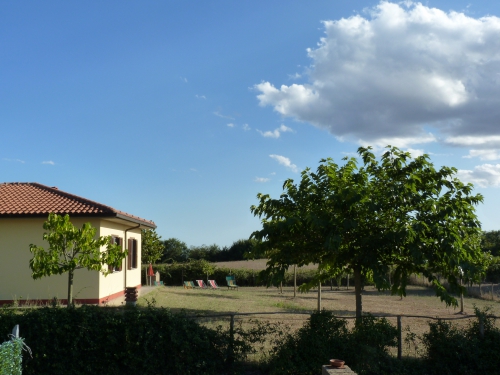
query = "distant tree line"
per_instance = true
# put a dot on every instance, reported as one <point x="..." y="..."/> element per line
<point x="174" y="250"/>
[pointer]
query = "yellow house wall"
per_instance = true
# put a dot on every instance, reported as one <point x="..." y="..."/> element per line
<point x="16" y="235"/>
<point x="115" y="282"/>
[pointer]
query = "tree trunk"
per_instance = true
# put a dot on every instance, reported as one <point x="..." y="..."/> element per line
<point x="319" y="296"/>
<point x="70" y="288"/>
<point x="294" y="280"/>
<point x="357" y="289"/>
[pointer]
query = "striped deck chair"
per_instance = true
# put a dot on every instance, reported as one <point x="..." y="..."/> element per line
<point x="201" y="284"/>
<point x="212" y="284"/>
<point x="187" y="285"/>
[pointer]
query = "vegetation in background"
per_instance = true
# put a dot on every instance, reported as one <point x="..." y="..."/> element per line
<point x="175" y="250"/>
<point x="71" y="249"/>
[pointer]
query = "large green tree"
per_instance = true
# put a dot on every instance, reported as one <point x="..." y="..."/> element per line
<point x="398" y="212"/>
<point x="70" y="249"/>
<point x="174" y="250"/>
<point x="152" y="246"/>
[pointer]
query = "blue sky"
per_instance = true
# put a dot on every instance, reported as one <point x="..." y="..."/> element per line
<point x="181" y="112"/>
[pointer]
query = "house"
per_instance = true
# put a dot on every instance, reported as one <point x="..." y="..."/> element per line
<point x="24" y="207"/>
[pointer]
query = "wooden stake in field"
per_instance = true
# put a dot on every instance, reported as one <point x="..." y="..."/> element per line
<point x="294" y="280"/>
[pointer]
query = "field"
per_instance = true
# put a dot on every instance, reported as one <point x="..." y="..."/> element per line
<point x="294" y="311"/>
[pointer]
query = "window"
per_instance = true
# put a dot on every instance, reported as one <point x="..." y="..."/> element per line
<point x="132" y="253"/>
<point x="115" y="240"/>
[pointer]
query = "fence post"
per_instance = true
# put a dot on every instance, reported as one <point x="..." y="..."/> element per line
<point x="230" y="349"/>
<point x="400" y="341"/>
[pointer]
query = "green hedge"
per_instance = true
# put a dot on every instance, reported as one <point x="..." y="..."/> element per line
<point x="95" y="340"/>
<point x="174" y="274"/>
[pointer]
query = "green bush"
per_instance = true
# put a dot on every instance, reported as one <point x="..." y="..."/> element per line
<point x="364" y="348"/>
<point x="457" y="350"/>
<point x="96" y="340"/>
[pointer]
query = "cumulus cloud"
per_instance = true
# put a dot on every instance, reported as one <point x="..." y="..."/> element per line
<point x="484" y="154"/>
<point x="397" y="74"/>
<point x="231" y="125"/>
<point x="261" y="179"/>
<point x="246" y="127"/>
<point x="49" y="162"/>
<point x="285" y="162"/>
<point x="486" y="175"/>
<point x="276" y="132"/>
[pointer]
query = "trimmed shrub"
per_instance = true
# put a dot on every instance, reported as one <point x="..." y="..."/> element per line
<point x="95" y="340"/>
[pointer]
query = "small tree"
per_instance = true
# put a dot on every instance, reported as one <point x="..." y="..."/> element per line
<point x="71" y="249"/>
<point x="152" y="246"/>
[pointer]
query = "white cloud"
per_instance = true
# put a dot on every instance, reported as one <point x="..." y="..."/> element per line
<point x="49" y="162"/>
<point x="395" y="74"/>
<point x="276" y="132"/>
<point x="486" y="175"/>
<point x="261" y="179"/>
<point x="200" y="96"/>
<point x="285" y="162"/>
<point x="294" y="76"/>
<point x="14" y="160"/>
<point x="231" y="125"/>
<point x="484" y="154"/>
<point x="415" y="153"/>
<point x="217" y="113"/>
<point x="246" y="127"/>
<point x="184" y="79"/>
<point x="488" y="142"/>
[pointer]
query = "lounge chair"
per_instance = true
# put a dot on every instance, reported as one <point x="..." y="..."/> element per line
<point x="201" y="284"/>
<point x="231" y="282"/>
<point x="189" y="285"/>
<point x="212" y="284"/>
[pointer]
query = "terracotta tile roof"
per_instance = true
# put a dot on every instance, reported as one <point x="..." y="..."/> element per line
<point x="33" y="199"/>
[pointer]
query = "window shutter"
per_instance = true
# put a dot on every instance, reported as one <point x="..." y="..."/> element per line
<point x="134" y="259"/>
<point x="129" y="256"/>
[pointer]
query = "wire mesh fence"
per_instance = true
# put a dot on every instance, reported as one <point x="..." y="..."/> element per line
<point x="411" y="328"/>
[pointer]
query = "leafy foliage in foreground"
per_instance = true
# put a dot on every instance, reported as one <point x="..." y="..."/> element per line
<point x="94" y="340"/>
<point x="460" y="351"/>
<point x="364" y="348"/>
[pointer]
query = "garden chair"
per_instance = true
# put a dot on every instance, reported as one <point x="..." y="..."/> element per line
<point x="212" y="284"/>
<point x="187" y="285"/>
<point x="231" y="282"/>
<point x="201" y="284"/>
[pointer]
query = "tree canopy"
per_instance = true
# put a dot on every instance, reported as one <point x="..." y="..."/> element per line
<point x="70" y="249"/>
<point x="398" y="213"/>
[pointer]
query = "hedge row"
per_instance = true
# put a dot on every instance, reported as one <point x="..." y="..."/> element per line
<point x="95" y="340"/>
<point x="175" y="274"/>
